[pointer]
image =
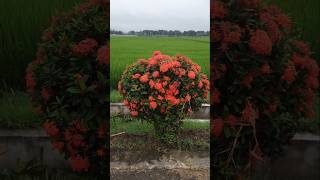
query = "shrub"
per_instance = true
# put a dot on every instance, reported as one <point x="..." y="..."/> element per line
<point x="163" y="90"/>
<point x="264" y="80"/>
<point x="68" y="83"/>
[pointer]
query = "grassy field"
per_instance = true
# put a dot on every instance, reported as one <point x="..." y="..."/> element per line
<point x="21" y="25"/>
<point x="134" y="126"/>
<point x="16" y="111"/>
<point x="127" y="50"/>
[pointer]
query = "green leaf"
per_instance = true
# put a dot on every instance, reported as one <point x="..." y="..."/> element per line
<point x="100" y="77"/>
<point x="82" y="84"/>
<point x="74" y="90"/>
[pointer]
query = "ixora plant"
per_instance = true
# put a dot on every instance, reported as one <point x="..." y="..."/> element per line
<point x="163" y="90"/>
<point x="264" y="80"/>
<point x="68" y="83"/>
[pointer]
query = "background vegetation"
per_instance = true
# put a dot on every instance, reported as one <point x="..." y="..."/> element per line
<point x="305" y="14"/>
<point x="21" y="26"/>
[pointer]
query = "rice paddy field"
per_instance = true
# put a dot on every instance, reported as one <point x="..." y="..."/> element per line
<point x="125" y="50"/>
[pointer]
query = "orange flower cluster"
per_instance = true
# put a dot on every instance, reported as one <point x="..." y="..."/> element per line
<point x="102" y="55"/>
<point x="164" y="84"/>
<point x="261" y="43"/>
<point x="85" y="47"/>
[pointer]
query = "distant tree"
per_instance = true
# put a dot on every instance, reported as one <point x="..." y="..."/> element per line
<point x="116" y="32"/>
<point x="162" y="32"/>
<point x="132" y="33"/>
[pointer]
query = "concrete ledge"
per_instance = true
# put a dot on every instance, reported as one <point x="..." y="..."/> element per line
<point x="306" y="137"/>
<point x="26" y="145"/>
<point x="35" y="144"/>
<point x="300" y="160"/>
<point x="120" y="108"/>
<point x="34" y="133"/>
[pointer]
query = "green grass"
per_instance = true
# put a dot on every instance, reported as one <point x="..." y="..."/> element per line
<point x="127" y="50"/>
<point x="134" y="126"/>
<point x="16" y="111"/>
<point x="21" y="26"/>
<point x="115" y="96"/>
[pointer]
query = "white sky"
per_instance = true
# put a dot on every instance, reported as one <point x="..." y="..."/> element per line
<point x="126" y="15"/>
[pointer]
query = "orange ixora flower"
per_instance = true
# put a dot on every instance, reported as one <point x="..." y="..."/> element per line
<point x="155" y="74"/>
<point x="217" y="127"/>
<point x="289" y="73"/>
<point x="79" y="164"/>
<point x="136" y="76"/>
<point x="45" y="93"/>
<point x="144" y="78"/>
<point x="51" y="128"/>
<point x="134" y="113"/>
<point x="172" y="100"/>
<point x="85" y="47"/>
<point x="191" y="75"/>
<point x="102" y="55"/>
<point x="158" y="86"/>
<point x="151" y="83"/>
<point x="125" y="102"/>
<point x="261" y="43"/>
<point x="153" y="105"/>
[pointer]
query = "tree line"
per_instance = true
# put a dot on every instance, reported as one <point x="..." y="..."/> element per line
<point x="161" y="33"/>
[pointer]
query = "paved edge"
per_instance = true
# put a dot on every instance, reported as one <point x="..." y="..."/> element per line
<point x="39" y="133"/>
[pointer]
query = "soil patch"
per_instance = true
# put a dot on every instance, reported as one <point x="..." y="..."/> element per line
<point x="143" y="147"/>
<point x="142" y="156"/>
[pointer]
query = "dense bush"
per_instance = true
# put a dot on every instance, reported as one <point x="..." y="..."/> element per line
<point x="68" y="83"/>
<point x="163" y="90"/>
<point x="264" y="80"/>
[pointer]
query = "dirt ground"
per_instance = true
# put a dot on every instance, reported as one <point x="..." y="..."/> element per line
<point x="142" y="156"/>
<point x="161" y="174"/>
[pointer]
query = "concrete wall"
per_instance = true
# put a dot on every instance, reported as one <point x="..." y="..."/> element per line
<point x="120" y="108"/>
<point x="301" y="160"/>
<point x="27" y="145"/>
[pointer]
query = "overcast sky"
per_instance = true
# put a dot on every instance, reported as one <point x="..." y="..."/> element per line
<point x="180" y="15"/>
